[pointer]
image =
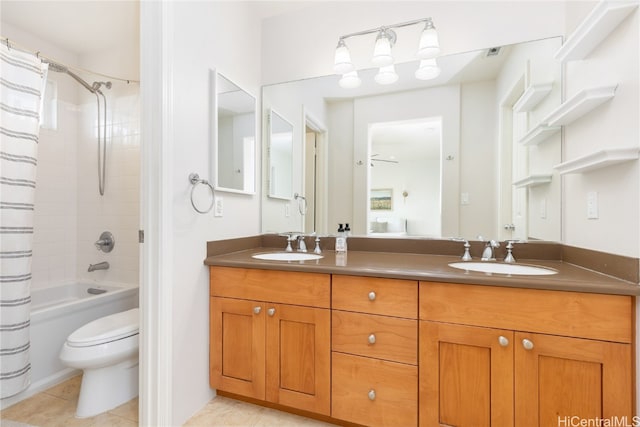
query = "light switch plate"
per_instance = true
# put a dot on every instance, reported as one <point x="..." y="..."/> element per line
<point x="218" y="206"/>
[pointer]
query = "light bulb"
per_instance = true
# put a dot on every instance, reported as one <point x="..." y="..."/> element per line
<point x="429" y="46"/>
<point x="350" y="80"/>
<point x="386" y="75"/>
<point x="428" y="69"/>
<point x="342" y="61"/>
<point x="382" y="50"/>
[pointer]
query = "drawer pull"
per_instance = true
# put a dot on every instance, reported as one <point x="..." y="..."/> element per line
<point x="372" y="395"/>
<point x="372" y="296"/>
<point x="503" y="341"/>
<point x="271" y="312"/>
<point x="527" y="344"/>
<point x="257" y="310"/>
<point x="372" y="339"/>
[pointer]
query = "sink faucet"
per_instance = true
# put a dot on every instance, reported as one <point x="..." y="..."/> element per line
<point x="488" y="253"/>
<point x="302" y="246"/>
<point x="99" y="266"/>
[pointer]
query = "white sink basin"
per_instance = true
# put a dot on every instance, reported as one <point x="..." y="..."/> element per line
<point x="287" y="256"/>
<point x="493" y="267"/>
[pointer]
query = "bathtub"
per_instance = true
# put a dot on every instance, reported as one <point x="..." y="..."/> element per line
<point x="55" y="313"/>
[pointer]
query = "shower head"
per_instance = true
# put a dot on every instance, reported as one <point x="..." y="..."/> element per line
<point x="54" y="66"/>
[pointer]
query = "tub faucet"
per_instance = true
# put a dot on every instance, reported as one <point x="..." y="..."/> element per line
<point x="99" y="266"/>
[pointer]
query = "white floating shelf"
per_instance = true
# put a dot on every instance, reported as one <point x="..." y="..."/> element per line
<point x="532" y="181"/>
<point x="532" y="97"/>
<point x="538" y="134"/>
<point x="580" y="104"/>
<point x="598" y="160"/>
<point x="603" y="19"/>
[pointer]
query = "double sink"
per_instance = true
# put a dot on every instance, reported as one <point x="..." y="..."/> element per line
<point x="483" y="267"/>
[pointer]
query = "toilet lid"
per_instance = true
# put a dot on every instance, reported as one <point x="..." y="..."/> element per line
<point x="106" y="329"/>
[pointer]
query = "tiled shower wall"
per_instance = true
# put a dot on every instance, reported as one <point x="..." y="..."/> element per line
<point x="70" y="214"/>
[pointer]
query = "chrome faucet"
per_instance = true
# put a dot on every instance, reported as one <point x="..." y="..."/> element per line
<point x="99" y="266"/>
<point x="302" y="246"/>
<point x="488" y="253"/>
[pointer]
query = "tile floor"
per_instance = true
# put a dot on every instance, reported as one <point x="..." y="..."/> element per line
<point x="56" y="407"/>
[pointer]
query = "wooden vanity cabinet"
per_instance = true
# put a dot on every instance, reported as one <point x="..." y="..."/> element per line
<point x="374" y="351"/>
<point x="270" y="336"/>
<point x="493" y="356"/>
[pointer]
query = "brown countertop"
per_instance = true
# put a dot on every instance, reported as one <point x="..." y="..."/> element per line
<point x="433" y="268"/>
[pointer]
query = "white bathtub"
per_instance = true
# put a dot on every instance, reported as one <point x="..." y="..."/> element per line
<point x="55" y="313"/>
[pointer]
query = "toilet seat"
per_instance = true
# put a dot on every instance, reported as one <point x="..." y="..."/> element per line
<point x="106" y="329"/>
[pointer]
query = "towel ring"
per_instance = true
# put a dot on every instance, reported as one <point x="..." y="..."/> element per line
<point x="194" y="179"/>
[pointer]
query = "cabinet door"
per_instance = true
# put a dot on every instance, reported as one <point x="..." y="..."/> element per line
<point x="558" y="378"/>
<point x="466" y="376"/>
<point x="236" y="352"/>
<point x="298" y="357"/>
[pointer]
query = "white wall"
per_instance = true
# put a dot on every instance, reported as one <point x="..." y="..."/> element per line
<point x="207" y="35"/>
<point x="478" y="163"/>
<point x="613" y="124"/>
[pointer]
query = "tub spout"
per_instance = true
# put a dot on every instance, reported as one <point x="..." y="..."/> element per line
<point x="99" y="266"/>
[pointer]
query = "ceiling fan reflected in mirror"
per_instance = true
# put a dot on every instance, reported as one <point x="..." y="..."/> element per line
<point x="381" y="160"/>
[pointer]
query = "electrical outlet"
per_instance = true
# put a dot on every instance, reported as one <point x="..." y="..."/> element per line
<point x="464" y="198"/>
<point x="217" y="206"/>
<point x="287" y="212"/>
<point x="543" y="209"/>
<point x="592" y="205"/>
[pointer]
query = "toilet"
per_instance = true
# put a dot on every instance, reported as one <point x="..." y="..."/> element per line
<point x="106" y="349"/>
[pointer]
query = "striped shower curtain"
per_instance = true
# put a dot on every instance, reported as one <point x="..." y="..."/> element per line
<point x="22" y="82"/>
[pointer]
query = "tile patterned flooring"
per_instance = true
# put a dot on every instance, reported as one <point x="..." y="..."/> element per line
<point x="56" y="407"/>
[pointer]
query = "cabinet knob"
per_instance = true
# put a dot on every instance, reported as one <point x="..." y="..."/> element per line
<point x="527" y="344"/>
<point x="271" y="312"/>
<point x="503" y="341"/>
<point x="372" y="395"/>
<point x="372" y="296"/>
<point x="372" y="339"/>
<point x="257" y="310"/>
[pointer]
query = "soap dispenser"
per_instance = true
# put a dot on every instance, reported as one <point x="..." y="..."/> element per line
<point x="341" y="240"/>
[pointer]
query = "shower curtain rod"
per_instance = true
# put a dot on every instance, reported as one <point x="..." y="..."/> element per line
<point x="12" y="45"/>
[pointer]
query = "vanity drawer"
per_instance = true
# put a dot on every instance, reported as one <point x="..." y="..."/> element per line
<point x="374" y="392"/>
<point x="369" y="335"/>
<point x="574" y="314"/>
<point x="374" y="295"/>
<point x="287" y="287"/>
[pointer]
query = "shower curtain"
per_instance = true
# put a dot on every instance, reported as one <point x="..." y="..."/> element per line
<point x="22" y="82"/>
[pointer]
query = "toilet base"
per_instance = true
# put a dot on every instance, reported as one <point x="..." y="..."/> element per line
<point x="105" y="388"/>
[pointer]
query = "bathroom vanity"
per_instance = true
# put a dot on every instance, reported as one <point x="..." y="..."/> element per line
<point x="390" y="339"/>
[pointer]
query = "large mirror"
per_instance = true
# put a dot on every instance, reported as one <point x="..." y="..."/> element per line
<point x="446" y="157"/>
<point x="280" y="149"/>
<point x="233" y="133"/>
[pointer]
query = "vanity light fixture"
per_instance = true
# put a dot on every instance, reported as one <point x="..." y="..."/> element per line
<point x="428" y="49"/>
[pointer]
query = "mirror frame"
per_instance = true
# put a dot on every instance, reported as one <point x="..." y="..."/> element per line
<point x="270" y="195"/>
<point x="214" y="76"/>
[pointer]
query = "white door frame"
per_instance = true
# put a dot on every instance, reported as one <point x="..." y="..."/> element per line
<point x="322" y="176"/>
<point x="155" y="374"/>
